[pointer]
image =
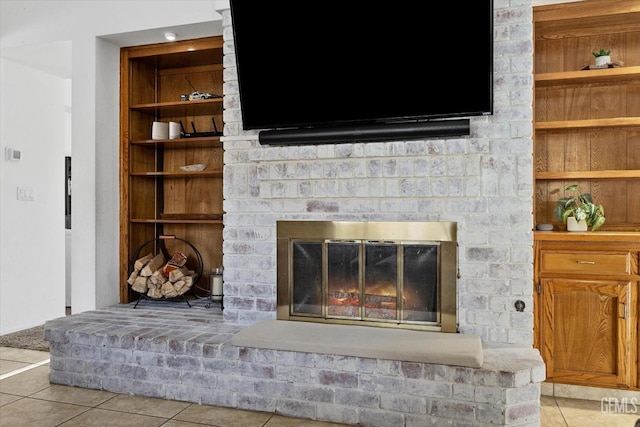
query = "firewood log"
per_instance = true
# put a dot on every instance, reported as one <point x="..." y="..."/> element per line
<point x="157" y="278"/>
<point x="141" y="262"/>
<point x="132" y="277"/>
<point x="157" y="262"/>
<point x="154" y="292"/>
<point x="168" y="290"/>
<point x="178" y="285"/>
<point x="178" y="273"/>
<point x="187" y="282"/>
<point x="140" y="284"/>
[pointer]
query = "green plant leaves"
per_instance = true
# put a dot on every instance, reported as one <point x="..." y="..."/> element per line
<point x="601" y="52"/>
<point x="581" y="207"/>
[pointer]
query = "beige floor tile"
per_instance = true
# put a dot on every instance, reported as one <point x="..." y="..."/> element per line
<point x="34" y="412"/>
<point x="587" y="413"/>
<point x="74" y="395"/>
<point x="21" y="355"/>
<point x="144" y="406"/>
<point x="550" y="414"/>
<point x="8" y="398"/>
<point x="280" y="421"/>
<point x="223" y="417"/>
<point x="28" y="382"/>
<point x="102" y="418"/>
<point x="174" y="423"/>
<point x="11" y="365"/>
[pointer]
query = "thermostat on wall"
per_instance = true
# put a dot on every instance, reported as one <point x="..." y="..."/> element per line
<point x="12" y="154"/>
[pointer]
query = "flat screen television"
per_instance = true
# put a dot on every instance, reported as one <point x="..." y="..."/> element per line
<point x="309" y="68"/>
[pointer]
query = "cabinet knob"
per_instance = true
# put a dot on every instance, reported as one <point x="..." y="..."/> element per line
<point x="586" y="262"/>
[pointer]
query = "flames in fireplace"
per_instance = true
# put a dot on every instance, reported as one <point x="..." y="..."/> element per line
<point x="400" y="274"/>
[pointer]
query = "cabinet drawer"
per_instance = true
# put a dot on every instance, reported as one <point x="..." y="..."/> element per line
<point x="586" y="262"/>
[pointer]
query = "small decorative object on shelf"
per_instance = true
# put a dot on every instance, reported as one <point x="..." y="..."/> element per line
<point x="194" y="168"/>
<point x="603" y="57"/>
<point x="581" y="208"/>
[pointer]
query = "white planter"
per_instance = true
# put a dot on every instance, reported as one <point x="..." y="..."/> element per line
<point x="603" y="60"/>
<point x="573" y="225"/>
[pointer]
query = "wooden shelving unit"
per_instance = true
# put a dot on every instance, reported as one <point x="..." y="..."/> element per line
<point x="587" y="132"/>
<point x="587" y="122"/>
<point x="157" y="196"/>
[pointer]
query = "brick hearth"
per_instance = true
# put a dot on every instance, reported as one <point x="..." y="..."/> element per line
<point x="170" y="351"/>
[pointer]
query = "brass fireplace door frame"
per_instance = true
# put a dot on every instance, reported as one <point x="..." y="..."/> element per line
<point x="442" y="233"/>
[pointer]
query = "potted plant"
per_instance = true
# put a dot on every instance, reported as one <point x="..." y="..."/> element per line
<point x="603" y="57"/>
<point x="581" y="209"/>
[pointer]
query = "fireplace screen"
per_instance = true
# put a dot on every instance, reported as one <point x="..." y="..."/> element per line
<point x="388" y="282"/>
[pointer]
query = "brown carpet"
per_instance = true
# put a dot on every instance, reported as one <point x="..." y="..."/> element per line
<point x="30" y="339"/>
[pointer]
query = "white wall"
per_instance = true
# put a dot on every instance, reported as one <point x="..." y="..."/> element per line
<point x="32" y="265"/>
<point x="32" y="238"/>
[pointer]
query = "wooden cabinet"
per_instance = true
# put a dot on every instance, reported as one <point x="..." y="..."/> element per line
<point x="157" y="196"/>
<point x="586" y="331"/>
<point x="587" y="122"/>
<point x="588" y="308"/>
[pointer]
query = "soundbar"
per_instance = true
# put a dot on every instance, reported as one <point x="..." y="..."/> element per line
<point x="365" y="133"/>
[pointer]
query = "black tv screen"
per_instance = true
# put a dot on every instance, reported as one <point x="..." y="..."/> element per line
<point x="305" y="64"/>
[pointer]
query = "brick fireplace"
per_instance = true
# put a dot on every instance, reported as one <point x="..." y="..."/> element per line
<point x="483" y="183"/>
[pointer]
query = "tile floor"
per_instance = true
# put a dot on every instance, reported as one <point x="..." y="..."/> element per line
<point x="28" y="399"/>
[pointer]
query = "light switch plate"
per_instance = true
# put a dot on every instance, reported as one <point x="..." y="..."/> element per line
<point x="13" y="154"/>
<point x="26" y="194"/>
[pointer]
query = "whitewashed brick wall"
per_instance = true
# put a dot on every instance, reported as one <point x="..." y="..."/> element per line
<point x="483" y="182"/>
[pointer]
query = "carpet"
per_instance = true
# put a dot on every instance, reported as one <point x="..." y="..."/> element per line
<point x="30" y="339"/>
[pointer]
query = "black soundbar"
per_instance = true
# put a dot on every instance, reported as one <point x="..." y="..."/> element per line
<point x="365" y="133"/>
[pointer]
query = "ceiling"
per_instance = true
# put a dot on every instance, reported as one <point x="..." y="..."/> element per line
<point x="55" y="58"/>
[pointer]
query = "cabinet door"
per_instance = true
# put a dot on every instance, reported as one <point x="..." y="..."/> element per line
<point x="586" y="331"/>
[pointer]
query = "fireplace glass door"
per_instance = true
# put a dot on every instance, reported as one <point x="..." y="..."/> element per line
<point x="307" y="273"/>
<point x="343" y="282"/>
<point x="365" y="280"/>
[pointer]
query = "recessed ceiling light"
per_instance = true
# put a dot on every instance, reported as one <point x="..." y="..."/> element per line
<point x="170" y="36"/>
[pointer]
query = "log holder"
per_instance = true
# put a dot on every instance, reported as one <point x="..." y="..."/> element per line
<point x="159" y="245"/>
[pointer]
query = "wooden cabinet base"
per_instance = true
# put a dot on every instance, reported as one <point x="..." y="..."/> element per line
<point x="586" y="311"/>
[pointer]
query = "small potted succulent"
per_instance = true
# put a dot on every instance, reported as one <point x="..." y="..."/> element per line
<point x="603" y="56"/>
<point x="579" y="211"/>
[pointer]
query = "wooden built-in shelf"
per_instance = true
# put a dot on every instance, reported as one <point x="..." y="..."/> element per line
<point x="200" y="142"/>
<point x="175" y="221"/>
<point x="180" y="108"/>
<point x="603" y="174"/>
<point x="609" y="76"/>
<point x="631" y="237"/>
<point x="180" y="174"/>
<point x="182" y="218"/>
<point x="154" y="78"/>
<point x="614" y="122"/>
<point x="586" y="285"/>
